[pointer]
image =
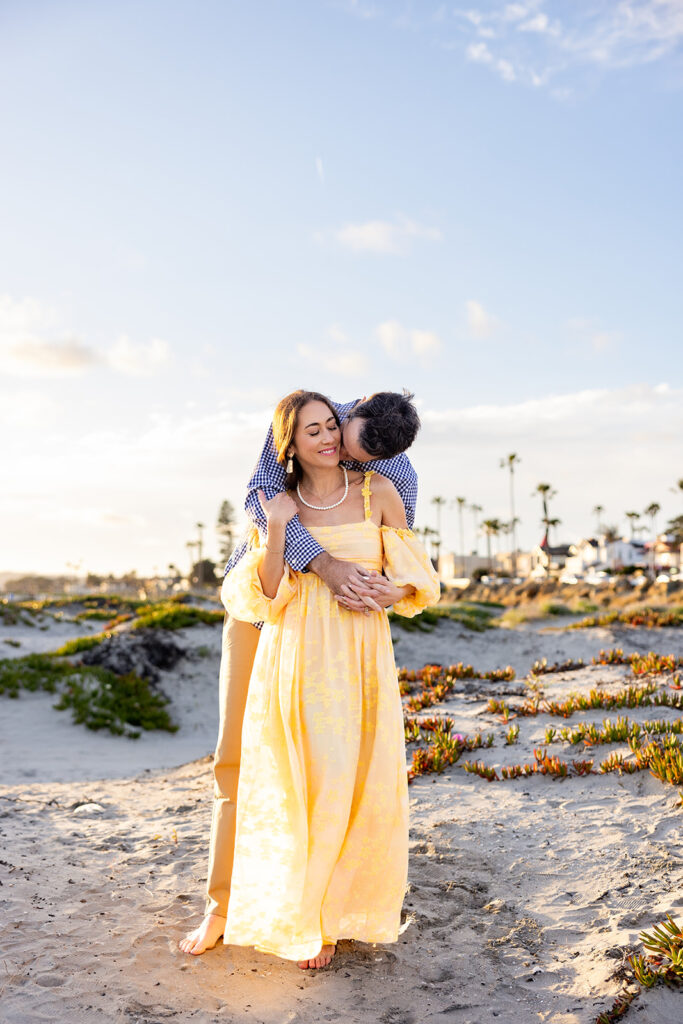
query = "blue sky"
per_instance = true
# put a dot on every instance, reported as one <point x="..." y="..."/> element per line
<point x="208" y="204"/>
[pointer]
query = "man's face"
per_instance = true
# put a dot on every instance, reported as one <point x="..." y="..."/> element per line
<point x="351" y="448"/>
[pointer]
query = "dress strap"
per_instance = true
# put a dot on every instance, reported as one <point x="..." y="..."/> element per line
<point x="366" y="493"/>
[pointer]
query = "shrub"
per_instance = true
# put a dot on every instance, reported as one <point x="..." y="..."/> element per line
<point x="170" y="615"/>
<point x="98" y="698"/>
<point x="554" y="608"/>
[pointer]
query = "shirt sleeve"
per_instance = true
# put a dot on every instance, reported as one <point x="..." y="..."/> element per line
<point x="242" y="593"/>
<point x="269" y="476"/>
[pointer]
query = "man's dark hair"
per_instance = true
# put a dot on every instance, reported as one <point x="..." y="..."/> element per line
<point x="391" y="423"/>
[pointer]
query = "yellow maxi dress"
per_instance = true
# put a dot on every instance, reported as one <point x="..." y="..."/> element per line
<point x="321" y="846"/>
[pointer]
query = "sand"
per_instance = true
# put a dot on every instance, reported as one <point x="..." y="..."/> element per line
<point x="524" y="896"/>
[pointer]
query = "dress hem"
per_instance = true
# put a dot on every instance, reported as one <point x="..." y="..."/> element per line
<point x="289" y="955"/>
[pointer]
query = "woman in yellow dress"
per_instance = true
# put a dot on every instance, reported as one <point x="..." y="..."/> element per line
<point x="321" y="846"/>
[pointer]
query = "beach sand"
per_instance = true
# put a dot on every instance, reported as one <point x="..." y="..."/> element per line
<point x="524" y="895"/>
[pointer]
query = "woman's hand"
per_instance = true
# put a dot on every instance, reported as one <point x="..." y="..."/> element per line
<point x="387" y="593"/>
<point x="279" y="510"/>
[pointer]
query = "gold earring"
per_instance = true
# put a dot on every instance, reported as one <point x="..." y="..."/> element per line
<point x="290" y="465"/>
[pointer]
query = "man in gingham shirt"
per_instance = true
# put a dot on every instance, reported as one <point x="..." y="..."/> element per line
<point x="375" y="434"/>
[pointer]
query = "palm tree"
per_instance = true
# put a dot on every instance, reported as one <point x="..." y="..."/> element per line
<point x="611" y="533"/>
<point x="509" y="463"/>
<point x="225" y="528"/>
<point x="491" y="528"/>
<point x="475" y="510"/>
<point x="200" y="527"/>
<point x="460" y="502"/>
<point x="191" y="545"/>
<point x="509" y="529"/>
<point x="439" y="502"/>
<point x="547" y="494"/>
<point x="597" y="511"/>
<point x="652" y="509"/>
<point x="551" y="522"/>
<point x="633" y="518"/>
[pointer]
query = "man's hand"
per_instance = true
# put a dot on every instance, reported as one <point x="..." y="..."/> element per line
<point x="348" y="582"/>
<point x="387" y="593"/>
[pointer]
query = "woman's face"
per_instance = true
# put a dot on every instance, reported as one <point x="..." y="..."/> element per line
<point x="316" y="437"/>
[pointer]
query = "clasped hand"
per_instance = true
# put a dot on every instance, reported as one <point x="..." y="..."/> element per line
<point x="377" y="593"/>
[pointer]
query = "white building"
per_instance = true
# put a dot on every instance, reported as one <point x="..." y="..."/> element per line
<point x="453" y="567"/>
<point x="594" y="553"/>
<point x="583" y="557"/>
<point x="667" y="552"/>
<point x="549" y="560"/>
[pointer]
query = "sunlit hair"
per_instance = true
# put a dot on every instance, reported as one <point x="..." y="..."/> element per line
<point x="285" y="421"/>
<point x="390" y="423"/>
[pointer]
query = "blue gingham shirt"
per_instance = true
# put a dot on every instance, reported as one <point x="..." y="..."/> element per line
<point x="269" y="476"/>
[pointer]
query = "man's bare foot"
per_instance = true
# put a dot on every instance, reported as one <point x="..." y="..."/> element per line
<point x="321" y="960"/>
<point x="205" y="937"/>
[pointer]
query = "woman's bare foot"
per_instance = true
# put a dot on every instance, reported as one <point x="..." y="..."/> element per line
<point x="321" y="960"/>
<point x="205" y="937"/>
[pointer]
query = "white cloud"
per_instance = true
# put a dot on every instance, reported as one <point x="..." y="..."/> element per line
<point x="514" y="12"/>
<point x="539" y="23"/>
<point x="617" y="447"/>
<point x="480" y="323"/>
<point x="92" y="517"/>
<point x="603" y="340"/>
<point x="589" y="413"/>
<point x="479" y="52"/>
<point x="599" y="339"/>
<point x="320" y="169"/>
<point x="385" y="236"/>
<point x="138" y="360"/>
<point x="506" y="70"/>
<point x="349" y="363"/>
<point x="336" y="355"/>
<point x="26" y="409"/>
<point x="34" y="343"/>
<point x="425" y="343"/>
<point x="24" y="316"/>
<point x="29" y="347"/>
<point x="405" y="345"/>
<point x="35" y="357"/>
<point x="163" y="473"/>
<point x="622" y="34"/>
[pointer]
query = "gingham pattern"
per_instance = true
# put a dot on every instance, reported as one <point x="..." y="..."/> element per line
<point x="269" y="476"/>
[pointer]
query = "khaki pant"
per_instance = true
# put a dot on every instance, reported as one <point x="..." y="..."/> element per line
<point x="239" y="643"/>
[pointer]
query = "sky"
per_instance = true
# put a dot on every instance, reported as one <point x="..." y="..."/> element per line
<point x="207" y="204"/>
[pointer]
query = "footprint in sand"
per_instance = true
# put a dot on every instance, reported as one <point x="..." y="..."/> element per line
<point x="49" y="980"/>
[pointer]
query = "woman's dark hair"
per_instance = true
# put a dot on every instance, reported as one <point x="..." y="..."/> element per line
<point x="391" y="423"/>
<point x="285" y="419"/>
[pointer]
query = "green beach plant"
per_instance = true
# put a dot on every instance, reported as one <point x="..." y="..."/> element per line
<point x="554" y="608"/>
<point x="482" y="770"/>
<point x="619" y="1009"/>
<point x="97" y="697"/>
<point x="512" y="735"/>
<point x="650" y="618"/>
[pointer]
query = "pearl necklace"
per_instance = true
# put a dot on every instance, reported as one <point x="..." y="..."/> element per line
<point x="326" y="508"/>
